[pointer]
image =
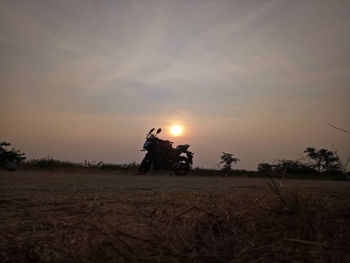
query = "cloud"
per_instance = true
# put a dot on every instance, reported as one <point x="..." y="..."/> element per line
<point x="253" y="64"/>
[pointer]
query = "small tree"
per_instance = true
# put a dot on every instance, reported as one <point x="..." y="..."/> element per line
<point x="324" y="160"/>
<point x="227" y="159"/>
<point x="9" y="159"/>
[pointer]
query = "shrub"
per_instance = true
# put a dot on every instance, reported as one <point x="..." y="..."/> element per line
<point x="10" y="159"/>
<point x="50" y="163"/>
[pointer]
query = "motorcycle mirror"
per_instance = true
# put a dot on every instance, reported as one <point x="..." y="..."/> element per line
<point x="159" y="130"/>
<point x="151" y="131"/>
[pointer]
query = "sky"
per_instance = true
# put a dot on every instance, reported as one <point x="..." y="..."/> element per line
<point x="85" y="80"/>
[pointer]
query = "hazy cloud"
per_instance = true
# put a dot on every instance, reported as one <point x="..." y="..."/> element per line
<point x="237" y="60"/>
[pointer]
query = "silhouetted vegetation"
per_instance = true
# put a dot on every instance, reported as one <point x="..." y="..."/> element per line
<point x="10" y="159"/>
<point x="49" y="164"/>
<point x="323" y="160"/>
<point x="227" y="159"/>
<point x="283" y="166"/>
<point x="321" y="164"/>
<point x="52" y="164"/>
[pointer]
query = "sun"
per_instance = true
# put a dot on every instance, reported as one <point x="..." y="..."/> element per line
<point x="176" y="130"/>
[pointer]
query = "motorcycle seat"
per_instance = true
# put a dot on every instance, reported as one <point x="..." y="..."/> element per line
<point x="182" y="147"/>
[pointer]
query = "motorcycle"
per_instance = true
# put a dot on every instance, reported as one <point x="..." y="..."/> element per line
<point x="162" y="155"/>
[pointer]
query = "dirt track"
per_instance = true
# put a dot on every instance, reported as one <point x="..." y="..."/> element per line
<point x="74" y="217"/>
<point x="40" y="184"/>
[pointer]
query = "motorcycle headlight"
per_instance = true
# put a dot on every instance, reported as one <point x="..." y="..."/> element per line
<point x="146" y="145"/>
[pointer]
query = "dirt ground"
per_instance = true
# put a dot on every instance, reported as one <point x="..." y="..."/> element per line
<point x="68" y="217"/>
<point x="28" y="184"/>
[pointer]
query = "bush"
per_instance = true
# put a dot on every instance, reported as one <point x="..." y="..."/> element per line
<point x="50" y="163"/>
<point x="265" y="168"/>
<point x="10" y="159"/>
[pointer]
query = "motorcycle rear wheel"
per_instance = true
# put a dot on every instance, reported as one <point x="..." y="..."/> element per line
<point x="182" y="166"/>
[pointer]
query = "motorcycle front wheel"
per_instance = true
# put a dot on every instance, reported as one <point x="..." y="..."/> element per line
<point x="145" y="165"/>
<point x="182" y="166"/>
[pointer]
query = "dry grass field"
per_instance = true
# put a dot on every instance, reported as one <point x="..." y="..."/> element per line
<point x="67" y="217"/>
